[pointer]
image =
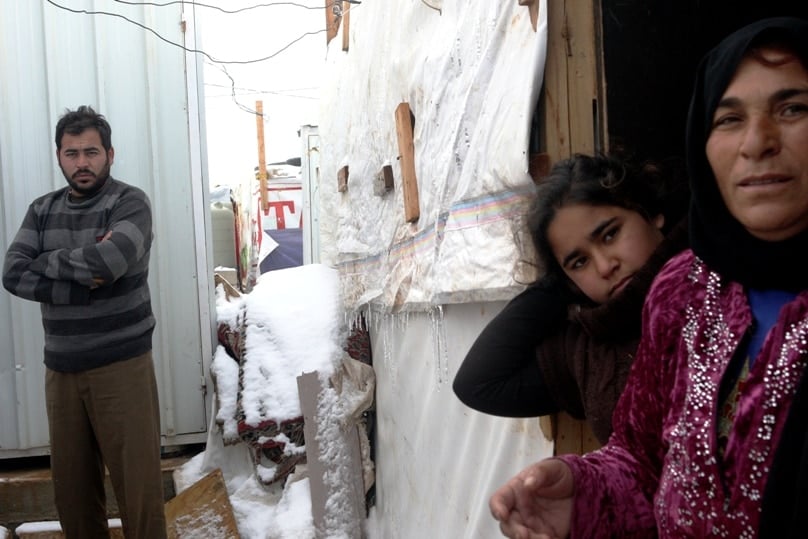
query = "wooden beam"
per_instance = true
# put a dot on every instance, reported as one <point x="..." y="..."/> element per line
<point x="573" y="120"/>
<point x="346" y="23"/>
<point x="573" y="104"/>
<point x="333" y="16"/>
<point x="406" y="149"/>
<point x="342" y="179"/>
<point x="383" y="183"/>
<point x="555" y="105"/>
<point x="582" y="75"/>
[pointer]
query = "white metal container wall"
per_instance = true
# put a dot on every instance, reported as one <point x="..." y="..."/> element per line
<point x="52" y="59"/>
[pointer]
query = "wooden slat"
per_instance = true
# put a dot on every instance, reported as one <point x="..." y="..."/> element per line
<point x="582" y="75"/>
<point x="331" y="21"/>
<point x="342" y="179"/>
<point x="346" y="20"/>
<point x="555" y="105"/>
<point x="406" y="149"/>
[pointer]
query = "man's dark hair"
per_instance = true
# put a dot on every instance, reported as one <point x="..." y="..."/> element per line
<point x="75" y="122"/>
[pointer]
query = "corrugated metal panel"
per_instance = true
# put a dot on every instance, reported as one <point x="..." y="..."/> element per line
<point x="52" y="59"/>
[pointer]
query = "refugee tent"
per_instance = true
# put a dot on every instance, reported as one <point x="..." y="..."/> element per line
<point x="436" y="119"/>
<point x="439" y="97"/>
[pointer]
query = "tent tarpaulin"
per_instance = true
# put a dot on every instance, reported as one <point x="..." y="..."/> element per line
<point x="471" y="73"/>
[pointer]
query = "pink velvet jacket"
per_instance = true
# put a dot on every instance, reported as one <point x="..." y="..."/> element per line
<point x="661" y="473"/>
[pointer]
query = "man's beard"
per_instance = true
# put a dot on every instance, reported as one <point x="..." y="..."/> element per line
<point x="86" y="192"/>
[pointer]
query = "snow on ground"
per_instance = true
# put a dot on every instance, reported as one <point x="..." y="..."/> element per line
<point x="294" y="325"/>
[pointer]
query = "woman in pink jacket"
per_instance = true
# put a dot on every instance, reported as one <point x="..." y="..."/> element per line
<point x="725" y="326"/>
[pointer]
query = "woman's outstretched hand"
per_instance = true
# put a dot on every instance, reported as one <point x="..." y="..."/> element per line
<point x="536" y="503"/>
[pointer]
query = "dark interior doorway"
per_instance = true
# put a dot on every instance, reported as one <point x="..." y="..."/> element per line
<point x="651" y="51"/>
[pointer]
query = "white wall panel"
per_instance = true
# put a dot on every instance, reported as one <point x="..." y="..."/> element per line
<point x="52" y="59"/>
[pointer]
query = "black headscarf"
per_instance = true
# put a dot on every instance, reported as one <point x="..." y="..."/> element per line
<point x="716" y="236"/>
<point x="725" y="245"/>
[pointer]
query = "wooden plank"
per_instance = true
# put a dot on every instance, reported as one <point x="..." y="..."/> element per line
<point x="332" y="20"/>
<point x="346" y="20"/>
<point x="342" y="179"/>
<point x="383" y="183"/>
<point x="202" y="510"/>
<point x="406" y="150"/>
<point x="321" y="464"/>
<point x="582" y="76"/>
<point x="555" y="105"/>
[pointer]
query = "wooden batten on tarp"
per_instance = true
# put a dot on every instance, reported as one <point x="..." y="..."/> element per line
<point x="333" y="17"/>
<point x="406" y="149"/>
<point x="342" y="179"/>
<point x="337" y="13"/>
<point x="383" y="183"/>
<point x="346" y="24"/>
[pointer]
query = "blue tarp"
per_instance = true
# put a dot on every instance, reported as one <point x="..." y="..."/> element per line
<point x="288" y="253"/>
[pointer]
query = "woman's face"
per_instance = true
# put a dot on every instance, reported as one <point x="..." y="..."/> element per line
<point x="758" y="146"/>
<point x="601" y="248"/>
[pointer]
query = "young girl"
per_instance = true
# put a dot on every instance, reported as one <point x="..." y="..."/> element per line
<point x="601" y="230"/>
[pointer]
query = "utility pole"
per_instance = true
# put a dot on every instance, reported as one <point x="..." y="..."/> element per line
<point x="262" y="164"/>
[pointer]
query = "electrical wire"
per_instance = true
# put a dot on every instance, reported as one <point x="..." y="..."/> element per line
<point x="429" y="5"/>
<point x="256" y="91"/>
<point x="180" y="45"/>
<point x="214" y="61"/>
<point x="217" y="8"/>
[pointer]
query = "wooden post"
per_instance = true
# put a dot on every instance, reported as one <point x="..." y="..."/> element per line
<point x="573" y="109"/>
<point x="262" y="163"/>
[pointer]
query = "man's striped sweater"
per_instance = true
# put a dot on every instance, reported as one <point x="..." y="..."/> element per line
<point x="86" y="262"/>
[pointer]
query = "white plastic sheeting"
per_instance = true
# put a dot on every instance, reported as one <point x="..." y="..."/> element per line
<point x="471" y="72"/>
<point x="437" y="461"/>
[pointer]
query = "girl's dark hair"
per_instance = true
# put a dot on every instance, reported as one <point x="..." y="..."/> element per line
<point x="75" y="122"/>
<point x="598" y="180"/>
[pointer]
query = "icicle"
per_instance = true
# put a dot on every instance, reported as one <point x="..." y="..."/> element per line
<point x="439" y="348"/>
<point x="388" y="330"/>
